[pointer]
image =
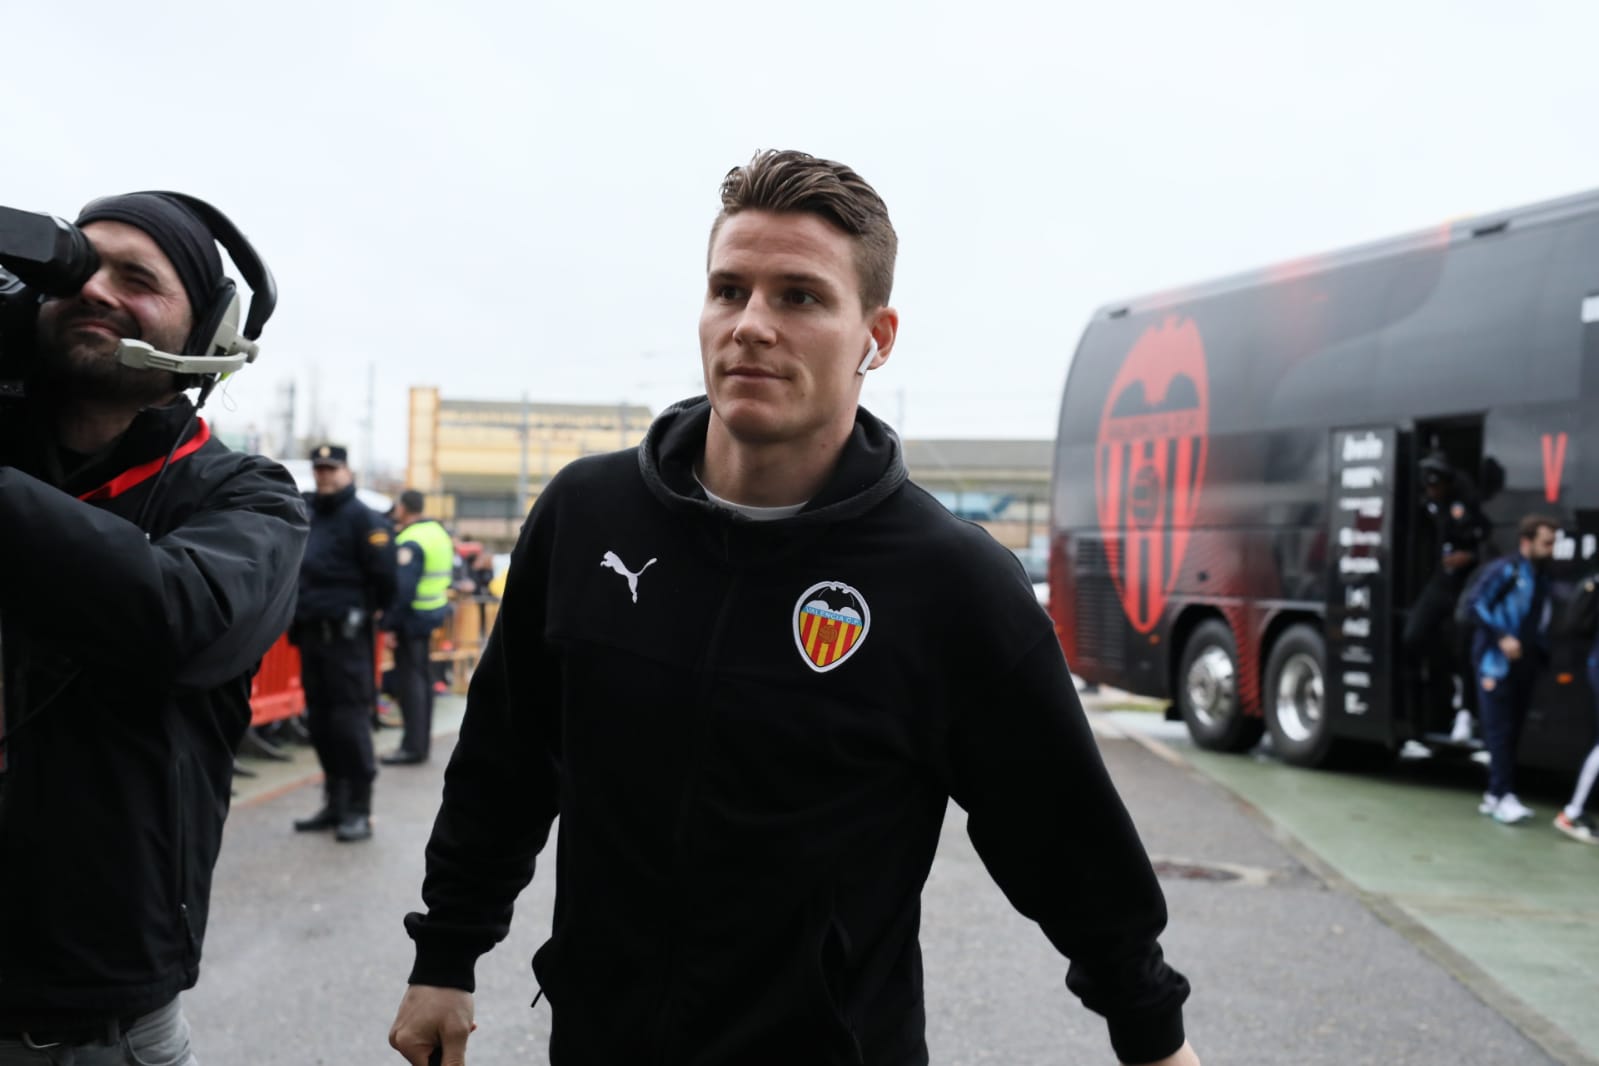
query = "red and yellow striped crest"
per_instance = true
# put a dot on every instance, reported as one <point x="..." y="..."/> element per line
<point x="831" y="621"/>
<point x="1150" y="465"/>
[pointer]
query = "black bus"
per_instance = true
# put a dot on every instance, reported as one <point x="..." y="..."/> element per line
<point x="1235" y="521"/>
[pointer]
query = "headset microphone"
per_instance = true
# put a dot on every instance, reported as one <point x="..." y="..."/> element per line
<point x="141" y="356"/>
<point x="871" y="353"/>
<point x="218" y="344"/>
<point x="227" y="351"/>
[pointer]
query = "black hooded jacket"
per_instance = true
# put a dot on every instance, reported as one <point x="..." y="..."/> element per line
<point x="750" y="732"/>
<point x="128" y="658"/>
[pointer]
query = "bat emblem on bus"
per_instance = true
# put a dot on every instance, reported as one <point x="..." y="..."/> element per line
<point x="1150" y="464"/>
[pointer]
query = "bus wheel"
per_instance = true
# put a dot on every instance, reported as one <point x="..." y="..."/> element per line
<point x="1207" y="691"/>
<point x="1296" y="712"/>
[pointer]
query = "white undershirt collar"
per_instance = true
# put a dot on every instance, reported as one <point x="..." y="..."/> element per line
<point x="757" y="514"/>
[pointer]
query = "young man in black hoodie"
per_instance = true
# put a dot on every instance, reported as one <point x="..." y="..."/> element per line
<point x="748" y="665"/>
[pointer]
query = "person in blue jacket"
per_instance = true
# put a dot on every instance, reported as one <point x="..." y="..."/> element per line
<point x="1512" y="611"/>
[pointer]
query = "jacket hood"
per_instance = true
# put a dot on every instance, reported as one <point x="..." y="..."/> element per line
<point x="869" y="470"/>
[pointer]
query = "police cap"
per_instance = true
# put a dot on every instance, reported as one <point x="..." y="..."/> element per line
<point x="330" y="455"/>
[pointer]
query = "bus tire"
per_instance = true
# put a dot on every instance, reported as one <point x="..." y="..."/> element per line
<point x="1294" y="698"/>
<point x="1207" y="690"/>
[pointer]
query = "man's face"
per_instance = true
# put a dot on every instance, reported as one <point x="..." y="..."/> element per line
<point x="1542" y="545"/>
<point x="331" y="477"/>
<point x="782" y="330"/>
<point x="135" y="295"/>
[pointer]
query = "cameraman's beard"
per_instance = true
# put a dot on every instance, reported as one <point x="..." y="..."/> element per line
<point x="80" y="365"/>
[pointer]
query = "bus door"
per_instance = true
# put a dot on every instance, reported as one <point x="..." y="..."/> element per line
<point x="1360" y="588"/>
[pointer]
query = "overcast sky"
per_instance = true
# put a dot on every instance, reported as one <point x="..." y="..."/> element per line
<point x="499" y="197"/>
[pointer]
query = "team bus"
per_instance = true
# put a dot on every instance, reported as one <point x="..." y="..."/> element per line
<point x="1235" y="516"/>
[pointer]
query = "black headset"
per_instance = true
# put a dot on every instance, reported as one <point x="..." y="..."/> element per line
<point x="216" y="330"/>
<point x="216" y="333"/>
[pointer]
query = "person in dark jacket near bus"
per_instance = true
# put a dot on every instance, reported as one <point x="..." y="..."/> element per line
<point x="748" y="664"/>
<point x="1511" y="605"/>
<point x="1460" y="532"/>
<point x="155" y="567"/>
<point x="346" y="580"/>
<point x="425" y="557"/>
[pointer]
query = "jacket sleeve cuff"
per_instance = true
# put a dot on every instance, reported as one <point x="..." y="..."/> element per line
<point x="440" y="965"/>
<point x="1148" y="1037"/>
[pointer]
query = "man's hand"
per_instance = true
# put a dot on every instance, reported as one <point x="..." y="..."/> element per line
<point x="1455" y="560"/>
<point x="1511" y="647"/>
<point x="431" y="1018"/>
<point x="1183" y="1056"/>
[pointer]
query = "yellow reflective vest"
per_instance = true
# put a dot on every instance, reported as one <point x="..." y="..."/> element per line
<point x="438" y="563"/>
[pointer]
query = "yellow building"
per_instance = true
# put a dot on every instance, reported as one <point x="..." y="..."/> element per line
<point x="482" y="463"/>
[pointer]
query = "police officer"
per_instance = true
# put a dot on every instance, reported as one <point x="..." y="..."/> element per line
<point x="1460" y="531"/>
<point x="425" y="559"/>
<point x="347" y="576"/>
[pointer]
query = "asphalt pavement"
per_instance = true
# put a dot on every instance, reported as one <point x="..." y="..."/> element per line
<point x="306" y="957"/>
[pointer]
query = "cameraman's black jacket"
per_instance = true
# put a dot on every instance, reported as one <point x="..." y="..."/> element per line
<point x="128" y="662"/>
<point x="749" y="804"/>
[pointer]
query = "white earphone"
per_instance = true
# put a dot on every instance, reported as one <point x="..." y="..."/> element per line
<point x="871" y="353"/>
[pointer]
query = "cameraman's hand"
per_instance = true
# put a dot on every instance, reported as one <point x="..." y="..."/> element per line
<point x="431" y="1018"/>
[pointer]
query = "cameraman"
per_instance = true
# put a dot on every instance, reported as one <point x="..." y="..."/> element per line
<point x="151" y="568"/>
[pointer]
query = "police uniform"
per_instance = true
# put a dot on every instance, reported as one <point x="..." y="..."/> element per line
<point x="348" y="573"/>
<point x="425" y="557"/>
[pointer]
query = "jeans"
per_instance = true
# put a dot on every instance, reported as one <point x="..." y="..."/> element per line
<point x="1504" y="711"/>
<point x="160" y="1038"/>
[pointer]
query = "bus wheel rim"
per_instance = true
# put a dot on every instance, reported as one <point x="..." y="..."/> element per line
<point x="1299" y="698"/>
<point x="1210" y="686"/>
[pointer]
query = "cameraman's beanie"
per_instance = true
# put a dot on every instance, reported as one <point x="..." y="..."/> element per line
<point x="177" y="231"/>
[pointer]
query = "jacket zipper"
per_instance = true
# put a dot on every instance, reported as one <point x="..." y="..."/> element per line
<point x="680" y="832"/>
<point x="179" y="836"/>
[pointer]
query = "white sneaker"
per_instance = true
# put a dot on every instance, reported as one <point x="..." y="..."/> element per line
<point x="1461" y="733"/>
<point x="1511" y="810"/>
<point x="1488" y="805"/>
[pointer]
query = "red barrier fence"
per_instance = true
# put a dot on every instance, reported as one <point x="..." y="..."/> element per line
<point x="276" y="692"/>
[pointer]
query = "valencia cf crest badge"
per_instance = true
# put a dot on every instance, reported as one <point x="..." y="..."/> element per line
<point x="1150" y="470"/>
<point x="831" y="620"/>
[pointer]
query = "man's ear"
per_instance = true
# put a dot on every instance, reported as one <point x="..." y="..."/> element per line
<point x="884" y="327"/>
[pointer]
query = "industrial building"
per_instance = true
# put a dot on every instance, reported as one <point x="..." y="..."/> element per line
<point x="482" y="463"/>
